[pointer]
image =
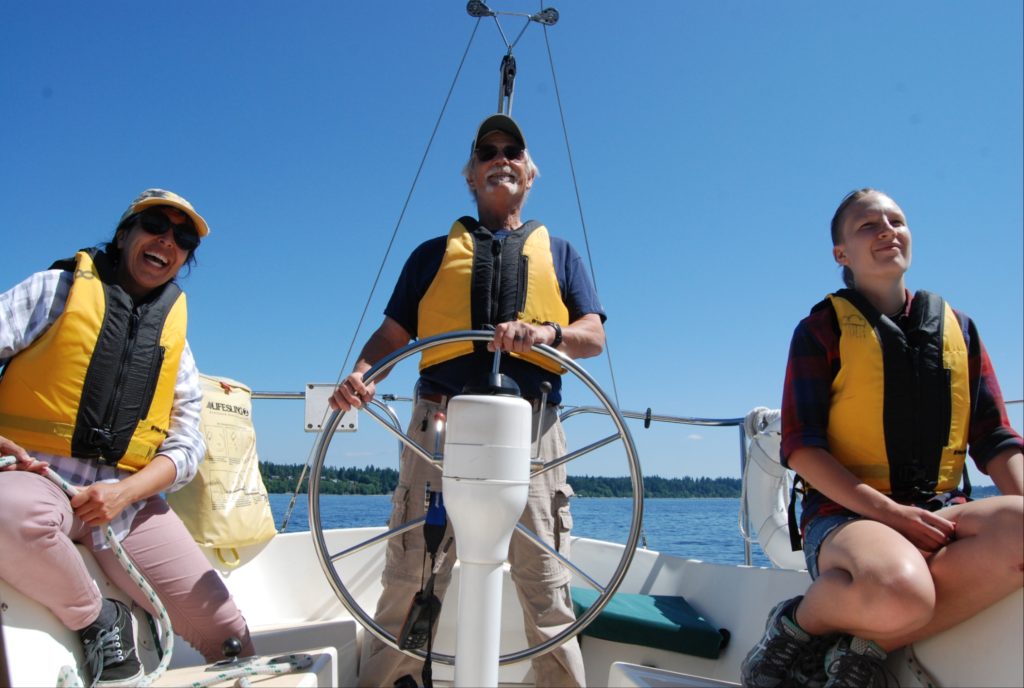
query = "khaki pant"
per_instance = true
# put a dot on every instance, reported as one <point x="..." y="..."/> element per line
<point x="542" y="583"/>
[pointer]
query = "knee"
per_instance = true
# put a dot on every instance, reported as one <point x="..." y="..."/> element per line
<point x="21" y="530"/>
<point x="999" y="525"/>
<point x="29" y="519"/>
<point x="900" y="596"/>
<point x="1007" y="527"/>
<point x="1008" y="520"/>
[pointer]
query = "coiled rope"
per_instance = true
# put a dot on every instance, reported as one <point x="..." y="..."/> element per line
<point x="68" y="677"/>
<point x="284" y="664"/>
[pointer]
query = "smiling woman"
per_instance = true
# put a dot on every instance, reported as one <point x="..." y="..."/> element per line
<point x="149" y="257"/>
<point x="100" y="386"/>
<point x="885" y="394"/>
<point x="145" y="255"/>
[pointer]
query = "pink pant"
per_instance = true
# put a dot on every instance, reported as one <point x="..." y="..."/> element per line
<point x="39" y="559"/>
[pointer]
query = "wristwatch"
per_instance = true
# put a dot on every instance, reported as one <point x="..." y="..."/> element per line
<point x="558" y="333"/>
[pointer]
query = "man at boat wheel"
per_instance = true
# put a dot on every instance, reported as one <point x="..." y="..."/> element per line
<point x="532" y="288"/>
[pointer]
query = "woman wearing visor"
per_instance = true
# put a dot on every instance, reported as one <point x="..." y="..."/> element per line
<point x="100" y="385"/>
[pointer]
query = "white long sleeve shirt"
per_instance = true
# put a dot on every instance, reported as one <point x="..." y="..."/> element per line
<point x="26" y="311"/>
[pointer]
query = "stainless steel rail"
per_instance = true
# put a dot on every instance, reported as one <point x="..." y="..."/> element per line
<point x="648" y="417"/>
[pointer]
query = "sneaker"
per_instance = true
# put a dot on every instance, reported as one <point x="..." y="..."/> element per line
<point x="110" y="651"/>
<point x="809" y="670"/>
<point x="856" y="663"/>
<point x="770" y="662"/>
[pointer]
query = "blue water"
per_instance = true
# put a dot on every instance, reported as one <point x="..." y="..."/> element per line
<point x="703" y="529"/>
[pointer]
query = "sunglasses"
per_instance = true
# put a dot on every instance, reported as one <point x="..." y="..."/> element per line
<point x="185" y="235"/>
<point x="488" y="151"/>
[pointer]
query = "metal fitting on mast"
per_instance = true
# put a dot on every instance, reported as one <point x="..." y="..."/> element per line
<point x="508" y="83"/>
<point x="547" y="17"/>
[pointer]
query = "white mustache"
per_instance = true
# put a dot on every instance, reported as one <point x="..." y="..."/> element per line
<point x="503" y="171"/>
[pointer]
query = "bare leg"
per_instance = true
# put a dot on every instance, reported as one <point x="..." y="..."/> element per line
<point x="982" y="566"/>
<point x="876" y="585"/>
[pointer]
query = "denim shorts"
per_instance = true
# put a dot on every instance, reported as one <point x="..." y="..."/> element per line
<point x="819" y="527"/>
<point x="816" y="532"/>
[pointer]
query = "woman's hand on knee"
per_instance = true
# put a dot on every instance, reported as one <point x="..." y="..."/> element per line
<point x="925" y="530"/>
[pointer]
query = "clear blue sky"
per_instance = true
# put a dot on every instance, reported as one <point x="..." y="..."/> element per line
<point x="712" y="140"/>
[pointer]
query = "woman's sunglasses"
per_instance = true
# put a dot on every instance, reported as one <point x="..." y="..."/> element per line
<point x="185" y="235"/>
<point x="488" y="151"/>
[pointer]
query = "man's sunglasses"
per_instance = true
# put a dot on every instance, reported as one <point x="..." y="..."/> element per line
<point x="488" y="151"/>
<point x="185" y="235"/>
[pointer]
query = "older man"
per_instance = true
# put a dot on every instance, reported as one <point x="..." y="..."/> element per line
<point x="534" y="289"/>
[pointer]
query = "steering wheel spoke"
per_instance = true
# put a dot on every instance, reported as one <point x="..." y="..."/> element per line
<point x="546" y="466"/>
<point x="388" y="425"/>
<point x="567" y="563"/>
<point x="370" y="542"/>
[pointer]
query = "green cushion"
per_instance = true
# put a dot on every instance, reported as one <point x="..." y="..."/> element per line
<point x="666" y="622"/>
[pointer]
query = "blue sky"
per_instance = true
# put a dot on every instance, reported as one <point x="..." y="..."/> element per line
<point x="711" y="141"/>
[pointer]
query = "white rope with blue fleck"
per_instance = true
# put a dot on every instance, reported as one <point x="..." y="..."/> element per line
<point x="284" y="664"/>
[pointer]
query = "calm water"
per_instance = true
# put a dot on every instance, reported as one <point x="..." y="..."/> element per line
<point x="693" y="528"/>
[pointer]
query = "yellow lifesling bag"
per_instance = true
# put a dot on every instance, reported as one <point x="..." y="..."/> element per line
<point x="226" y="506"/>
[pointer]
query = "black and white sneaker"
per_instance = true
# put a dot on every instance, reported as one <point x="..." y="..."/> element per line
<point x="770" y="663"/>
<point x="110" y="651"/>
<point x="856" y="663"/>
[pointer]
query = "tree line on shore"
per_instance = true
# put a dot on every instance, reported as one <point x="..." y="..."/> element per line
<point x="370" y="480"/>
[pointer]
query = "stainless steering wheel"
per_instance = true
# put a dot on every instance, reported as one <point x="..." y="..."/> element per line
<point x="329" y="559"/>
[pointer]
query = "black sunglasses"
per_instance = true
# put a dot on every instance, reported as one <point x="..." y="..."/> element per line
<point x="185" y="235"/>
<point x="488" y="151"/>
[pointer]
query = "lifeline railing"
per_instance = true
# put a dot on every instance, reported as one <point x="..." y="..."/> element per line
<point x="570" y="411"/>
<point x="646" y="416"/>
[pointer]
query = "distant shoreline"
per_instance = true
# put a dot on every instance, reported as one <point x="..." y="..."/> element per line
<point x="370" y="480"/>
<point x="373" y="481"/>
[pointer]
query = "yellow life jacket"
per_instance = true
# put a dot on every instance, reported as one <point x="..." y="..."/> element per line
<point x="99" y="383"/>
<point x="483" y="281"/>
<point x="900" y="403"/>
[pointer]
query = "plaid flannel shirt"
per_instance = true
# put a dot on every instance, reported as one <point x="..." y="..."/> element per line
<point x="814" y="362"/>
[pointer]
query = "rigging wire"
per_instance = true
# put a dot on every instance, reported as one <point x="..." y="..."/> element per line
<point x="579" y="204"/>
<point x="380" y="269"/>
<point x="583" y="222"/>
<point x="511" y="45"/>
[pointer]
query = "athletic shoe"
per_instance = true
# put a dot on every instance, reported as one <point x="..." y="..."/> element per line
<point x="809" y="670"/>
<point x="770" y="663"/>
<point x="110" y="651"/>
<point x="856" y="663"/>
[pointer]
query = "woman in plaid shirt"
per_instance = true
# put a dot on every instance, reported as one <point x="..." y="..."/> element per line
<point x="884" y="392"/>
